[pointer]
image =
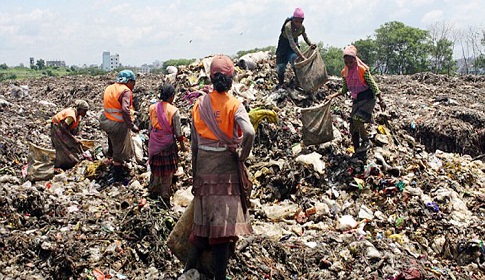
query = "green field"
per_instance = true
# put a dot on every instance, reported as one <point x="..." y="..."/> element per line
<point x="22" y="73"/>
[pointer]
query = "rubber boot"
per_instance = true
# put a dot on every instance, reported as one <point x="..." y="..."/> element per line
<point x="281" y="79"/>
<point x="220" y="256"/>
<point x="193" y="258"/>
<point x="356" y="141"/>
<point x="117" y="173"/>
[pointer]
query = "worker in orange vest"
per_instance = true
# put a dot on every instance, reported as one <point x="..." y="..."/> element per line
<point x="220" y="125"/>
<point x="117" y="122"/>
<point x="64" y="127"/>
<point x="165" y="128"/>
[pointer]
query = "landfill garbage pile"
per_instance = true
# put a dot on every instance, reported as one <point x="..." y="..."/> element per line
<point x="413" y="208"/>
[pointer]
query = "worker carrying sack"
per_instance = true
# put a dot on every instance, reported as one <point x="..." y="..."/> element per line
<point x="311" y="72"/>
<point x="317" y="124"/>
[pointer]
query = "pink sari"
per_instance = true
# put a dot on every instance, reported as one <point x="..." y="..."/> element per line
<point x="160" y="139"/>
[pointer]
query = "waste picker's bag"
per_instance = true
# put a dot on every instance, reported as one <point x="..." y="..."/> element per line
<point x="40" y="163"/>
<point x="317" y="124"/>
<point x="178" y="241"/>
<point x="137" y="142"/>
<point x="311" y="72"/>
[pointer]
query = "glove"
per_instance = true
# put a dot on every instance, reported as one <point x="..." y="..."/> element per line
<point x="257" y="115"/>
<point x="313" y="46"/>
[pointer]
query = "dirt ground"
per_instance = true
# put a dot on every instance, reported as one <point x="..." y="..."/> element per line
<point x="414" y="208"/>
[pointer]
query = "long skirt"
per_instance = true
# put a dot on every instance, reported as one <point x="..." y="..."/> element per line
<point x="68" y="149"/>
<point x="120" y="145"/>
<point x="363" y="107"/>
<point x="218" y="211"/>
<point x="162" y="166"/>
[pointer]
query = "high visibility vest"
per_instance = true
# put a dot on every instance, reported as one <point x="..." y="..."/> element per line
<point x="169" y="111"/>
<point x="62" y="115"/>
<point x="112" y="107"/>
<point x="224" y="107"/>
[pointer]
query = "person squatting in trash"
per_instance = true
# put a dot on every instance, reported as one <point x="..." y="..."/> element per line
<point x="288" y="48"/>
<point x="64" y="127"/>
<point x="220" y="125"/>
<point x="163" y="158"/>
<point x="116" y="121"/>
<point x="357" y="79"/>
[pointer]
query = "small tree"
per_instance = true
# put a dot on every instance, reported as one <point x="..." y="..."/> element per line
<point x="40" y="64"/>
<point x="402" y="49"/>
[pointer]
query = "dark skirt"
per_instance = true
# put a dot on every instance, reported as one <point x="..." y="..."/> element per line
<point x="283" y="50"/>
<point x="363" y="106"/>
<point x="165" y="163"/>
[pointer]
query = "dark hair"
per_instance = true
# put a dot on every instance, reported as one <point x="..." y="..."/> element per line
<point x="221" y="82"/>
<point x="166" y="91"/>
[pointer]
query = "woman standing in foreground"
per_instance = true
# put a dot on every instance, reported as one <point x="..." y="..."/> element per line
<point x="220" y="125"/>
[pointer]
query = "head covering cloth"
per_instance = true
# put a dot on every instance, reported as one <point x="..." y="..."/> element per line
<point x="351" y="50"/>
<point x="125" y="76"/>
<point x="81" y="104"/>
<point x="298" y="13"/>
<point x="221" y="64"/>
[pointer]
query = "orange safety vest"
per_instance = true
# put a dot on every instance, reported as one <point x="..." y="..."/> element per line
<point x="64" y="114"/>
<point x="169" y="112"/>
<point x="112" y="107"/>
<point x="224" y="107"/>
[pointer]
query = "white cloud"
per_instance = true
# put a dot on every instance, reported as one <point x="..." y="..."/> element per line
<point x="432" y="17"/>
<point x="79" y="31"/>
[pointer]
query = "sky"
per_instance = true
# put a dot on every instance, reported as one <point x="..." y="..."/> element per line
<point x="142" y="32"/>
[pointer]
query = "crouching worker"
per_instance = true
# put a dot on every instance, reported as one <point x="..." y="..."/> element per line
<point x="220" y="125"/>
<point x="64" y="127"/>
<point x="165" y="127"/>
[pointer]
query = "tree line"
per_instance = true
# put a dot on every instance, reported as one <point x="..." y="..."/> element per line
<point x="398" y="49"/>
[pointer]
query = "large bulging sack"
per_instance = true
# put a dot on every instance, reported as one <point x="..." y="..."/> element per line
<point x="311" y="72"/>
<point x="317" y="124"/>
<point x="178" y="241"/>
<point x="40" y="163"/>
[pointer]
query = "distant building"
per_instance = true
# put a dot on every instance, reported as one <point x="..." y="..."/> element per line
<point x="58" y="63"/>
<point x="32" y="62"/>
<point x="144" y="69"/>
<point x="110" y="62"/>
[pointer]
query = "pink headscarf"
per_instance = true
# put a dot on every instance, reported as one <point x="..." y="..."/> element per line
<point x="298" y="13"/>
<point x="351" y="50"/>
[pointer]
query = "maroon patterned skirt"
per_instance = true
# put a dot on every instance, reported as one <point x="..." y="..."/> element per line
<point x="165" y="162"/>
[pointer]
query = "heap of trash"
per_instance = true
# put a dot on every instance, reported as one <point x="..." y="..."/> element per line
<point x="413" y="208"/>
